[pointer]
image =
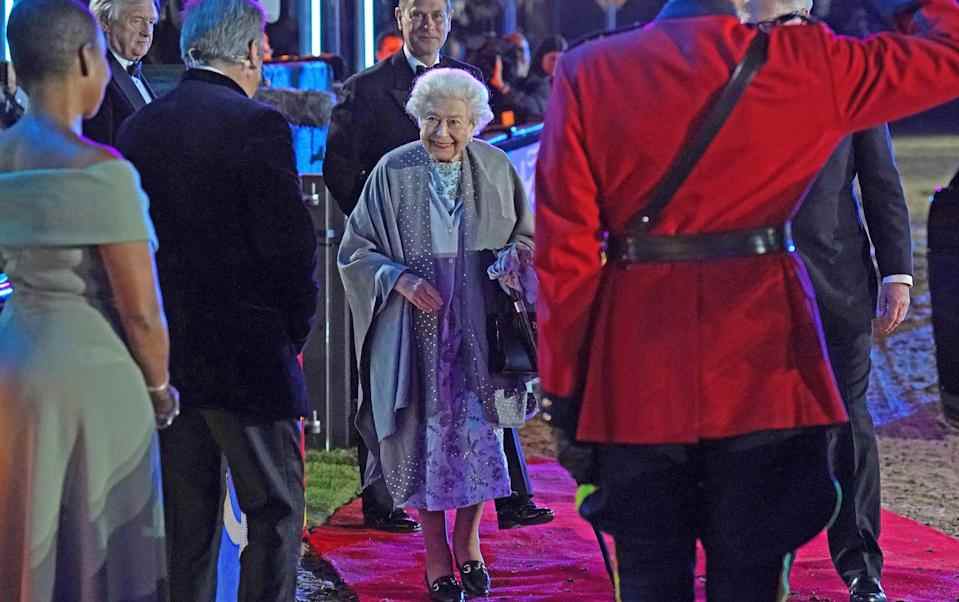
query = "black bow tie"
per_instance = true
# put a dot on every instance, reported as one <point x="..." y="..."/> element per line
<point x="420" y="69"/>
<point x="135" y="69"/>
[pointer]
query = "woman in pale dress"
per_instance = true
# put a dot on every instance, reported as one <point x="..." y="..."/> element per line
<point x="83" y="340"/>
<point x="416" y="265"/>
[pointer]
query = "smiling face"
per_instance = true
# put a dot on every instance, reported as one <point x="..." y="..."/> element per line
<point x="425" y="24"/>
<point x="131" y="34"/>
<point x="446" y="129"/>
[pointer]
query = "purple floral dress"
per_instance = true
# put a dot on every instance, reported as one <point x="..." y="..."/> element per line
<point x="464" y="459"/>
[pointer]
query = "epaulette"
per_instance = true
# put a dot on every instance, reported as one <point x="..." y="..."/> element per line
<point x="605" y="34"/>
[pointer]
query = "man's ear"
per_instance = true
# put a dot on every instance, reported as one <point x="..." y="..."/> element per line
<point x="398" y="14"/>
<point x="85" y="54"/>
<point x="253" y="53"/>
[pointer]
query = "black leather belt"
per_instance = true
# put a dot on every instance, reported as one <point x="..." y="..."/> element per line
<point x="645" y="248"/>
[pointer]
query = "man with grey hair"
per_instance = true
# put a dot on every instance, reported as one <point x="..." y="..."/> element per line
<point x="236" y="263"/>
<point x="128" y="28"/>
<point x="370" y="122"/>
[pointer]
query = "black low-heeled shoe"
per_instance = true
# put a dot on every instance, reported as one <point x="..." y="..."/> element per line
<point x="476" y="579"/>
<point x="445" y="589"/>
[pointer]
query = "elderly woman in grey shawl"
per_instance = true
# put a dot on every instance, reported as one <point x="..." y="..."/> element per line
<point x="416" y="265"/>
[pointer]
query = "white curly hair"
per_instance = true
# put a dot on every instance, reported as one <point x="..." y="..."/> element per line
<point x="451" y="83"/>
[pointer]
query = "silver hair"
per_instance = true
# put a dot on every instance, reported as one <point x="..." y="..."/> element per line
<point x="451" y="84"/>
<point x="220" y="30"/>
<point x="108" y="11"/>
<point x="767" y="10"/>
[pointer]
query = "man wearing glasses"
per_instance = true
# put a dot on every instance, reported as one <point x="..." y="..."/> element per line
<point x="370" y="122"/>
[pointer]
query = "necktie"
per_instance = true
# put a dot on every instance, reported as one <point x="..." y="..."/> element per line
<point x="135" y="69"/>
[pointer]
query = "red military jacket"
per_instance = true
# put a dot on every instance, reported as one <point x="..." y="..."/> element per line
<point x="679" y="352"/>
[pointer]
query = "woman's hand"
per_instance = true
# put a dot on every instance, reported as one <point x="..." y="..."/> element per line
<point x="419" y="292"/>
<point x="166" y="405"/>
<point x="513" y="269"/>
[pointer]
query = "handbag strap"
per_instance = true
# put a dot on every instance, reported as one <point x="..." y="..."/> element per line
<point x="694" y="149"/>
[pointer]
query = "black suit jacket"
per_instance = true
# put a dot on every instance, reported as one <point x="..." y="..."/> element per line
<point x="370" y="122"/>
<point x="121" y="99"/>
<point x="237" y="249"/>
<point x="832" y="238"/>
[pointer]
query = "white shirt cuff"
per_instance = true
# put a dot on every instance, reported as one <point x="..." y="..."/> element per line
<point x="897" y="279"/>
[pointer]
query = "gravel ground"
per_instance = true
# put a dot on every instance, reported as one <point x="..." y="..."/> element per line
<point x="919" y="451"/>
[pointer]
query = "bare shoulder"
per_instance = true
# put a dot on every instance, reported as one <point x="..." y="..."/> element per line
<point x="90" y="153"/>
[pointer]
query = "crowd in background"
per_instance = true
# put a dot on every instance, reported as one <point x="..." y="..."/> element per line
<point x="517" y="65"/>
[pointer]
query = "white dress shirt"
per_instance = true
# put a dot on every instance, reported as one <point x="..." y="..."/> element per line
<point x="414" y="62"/>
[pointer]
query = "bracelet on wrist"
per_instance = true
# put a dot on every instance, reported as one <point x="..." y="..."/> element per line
<point x="160" y="388"/>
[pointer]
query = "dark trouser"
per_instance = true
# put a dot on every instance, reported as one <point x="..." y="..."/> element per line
<point x="854" y="537"/>
<point x="751" y="501"/>
<point x="516" y="463"/>
<point x="266" y="466"/>
<point x="376" y="499"/>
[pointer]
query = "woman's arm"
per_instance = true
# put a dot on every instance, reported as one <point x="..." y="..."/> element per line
<point x="136" y="291"/>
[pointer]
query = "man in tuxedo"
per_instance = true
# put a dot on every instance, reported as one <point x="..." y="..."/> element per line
<point x="236" y="263"/>
<point x="370" y="122"/>
<point x="834" y="244"/>
<point x="128" y="28"/>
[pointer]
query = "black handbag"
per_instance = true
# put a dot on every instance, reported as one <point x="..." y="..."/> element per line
<point x="510" y="328"/>
<point x="511" y="332"/>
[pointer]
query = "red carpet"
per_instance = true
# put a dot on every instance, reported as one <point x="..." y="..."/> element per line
<point x="560" y="561"/>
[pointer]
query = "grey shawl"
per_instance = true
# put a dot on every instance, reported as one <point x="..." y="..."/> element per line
<point x="387" y="234"/>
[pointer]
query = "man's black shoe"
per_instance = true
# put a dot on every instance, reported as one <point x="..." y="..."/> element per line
<point x="866" y="589"/>
<point x="397" y="521"/>
<point x="520" y="511"/>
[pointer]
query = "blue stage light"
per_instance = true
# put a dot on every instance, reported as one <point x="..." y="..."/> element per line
<point x="5" y="7"/>
<point x="316" y="27"/>
<point x="6" y="288"/>
<point x="368" y="39"/>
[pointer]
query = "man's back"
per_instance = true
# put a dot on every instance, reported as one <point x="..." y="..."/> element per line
<point x="237" y="246"/>
<point x="747" y="326"/>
